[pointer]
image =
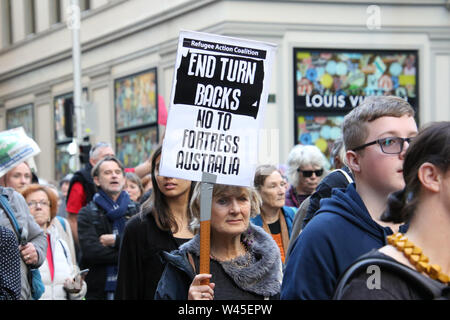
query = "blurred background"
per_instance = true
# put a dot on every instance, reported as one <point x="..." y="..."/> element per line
<point x="331" y="54"/>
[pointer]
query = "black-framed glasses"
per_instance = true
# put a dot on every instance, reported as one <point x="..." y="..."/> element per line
<point x="309" y="173"/>
<point x="389" y="145"/>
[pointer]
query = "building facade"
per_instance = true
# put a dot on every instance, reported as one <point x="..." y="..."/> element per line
<point x="326" y="49"/>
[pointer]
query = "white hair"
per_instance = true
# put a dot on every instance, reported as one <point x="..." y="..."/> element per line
<point x="303" y="155"/>
<point x="94" y="152"/>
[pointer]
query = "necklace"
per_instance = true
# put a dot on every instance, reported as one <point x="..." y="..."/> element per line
<point x="417" y="258"/>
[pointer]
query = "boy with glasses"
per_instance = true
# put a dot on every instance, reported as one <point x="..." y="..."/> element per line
<point x="347" y="225"/>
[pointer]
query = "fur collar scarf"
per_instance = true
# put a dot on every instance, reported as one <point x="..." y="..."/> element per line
<point x="263" y="276"/>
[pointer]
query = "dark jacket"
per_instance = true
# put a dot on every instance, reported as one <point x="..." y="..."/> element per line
<point x="335" y="179"/>
<point x="262" y="277"/>
<point x="84" y="177"/>
<point x="342" y="231"/>
<point x="394" y="284"/>
<point x="10" y="285"/>
<point x="297" y="225"/>
<point x="140" y="266"/>
<point x="92" y="223"/>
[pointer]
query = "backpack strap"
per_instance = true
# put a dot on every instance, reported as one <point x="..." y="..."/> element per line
<point x="12" y="218"/>
<point x="61" y="221"/>
<point x="346" y="175"/>
<point x="434" y="289"/>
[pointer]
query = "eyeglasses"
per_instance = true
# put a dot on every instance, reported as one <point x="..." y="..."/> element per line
<point x="42" y="203"/>
<point x="309" y="173"/>
<point x="390" y="145"/>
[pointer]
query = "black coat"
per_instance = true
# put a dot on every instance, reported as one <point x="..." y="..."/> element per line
<point x="140" y="266"/>
<point x="84" y="177"/>
<point x="92" y="223"/>
<point x="333" y="180"/>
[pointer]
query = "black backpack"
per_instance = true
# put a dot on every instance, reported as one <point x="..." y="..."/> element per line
<point x="432" y="289"/>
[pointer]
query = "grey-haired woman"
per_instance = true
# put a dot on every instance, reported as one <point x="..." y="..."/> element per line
<point x="306" y="167"/>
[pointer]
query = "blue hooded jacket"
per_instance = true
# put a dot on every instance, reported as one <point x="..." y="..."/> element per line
<point x="341" y="231"/>
<point x="289" y="214"/>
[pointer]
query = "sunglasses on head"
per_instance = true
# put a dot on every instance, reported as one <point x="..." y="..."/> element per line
<point x="309" y="173"/>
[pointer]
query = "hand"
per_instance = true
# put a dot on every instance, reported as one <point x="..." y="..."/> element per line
<point x="73" y="285"/>
<point x="108" y="240"/>
<point x="29" y="253"/>
<point x="201" y="292"/>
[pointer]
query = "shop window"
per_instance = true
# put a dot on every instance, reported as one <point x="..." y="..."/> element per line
<point x="136" y="117"/>
<point x="328" y="83"/>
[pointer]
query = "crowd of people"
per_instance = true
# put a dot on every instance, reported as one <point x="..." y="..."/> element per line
<point x="114" y="233"/>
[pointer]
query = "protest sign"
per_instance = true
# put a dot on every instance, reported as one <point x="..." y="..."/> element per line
<point x="219" y="95"/>
<point x="15" y="148"/>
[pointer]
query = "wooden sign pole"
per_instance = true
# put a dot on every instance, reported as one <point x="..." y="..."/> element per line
<point x="207" y="186"/>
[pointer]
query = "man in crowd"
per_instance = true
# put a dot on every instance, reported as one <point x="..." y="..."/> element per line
<point x="82" y="187"/>
<point x="100" y="226"/>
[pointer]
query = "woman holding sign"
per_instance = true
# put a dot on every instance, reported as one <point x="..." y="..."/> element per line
<point x="245" y="260"/>
<point x="162" y="225"/>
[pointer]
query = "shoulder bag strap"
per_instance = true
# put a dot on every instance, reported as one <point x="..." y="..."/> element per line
<point x="432" y="288"/>
<point x="347" y="176"/>
<point x="7" y="209"/>
<point x="62" y="222"/>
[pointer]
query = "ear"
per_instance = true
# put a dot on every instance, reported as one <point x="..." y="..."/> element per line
<point x="97" y="183"/>
<point x="352" y="161"/>
<point x="430" y="177"/>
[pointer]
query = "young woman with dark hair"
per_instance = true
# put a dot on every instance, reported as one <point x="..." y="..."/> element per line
<point x="162" y="225"/>
<point x="425" y="204"/>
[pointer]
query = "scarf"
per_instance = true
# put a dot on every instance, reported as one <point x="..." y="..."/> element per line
<point x="115" y="212"/>
<point x="264" y="275"/>
<point x="284" y="232"/>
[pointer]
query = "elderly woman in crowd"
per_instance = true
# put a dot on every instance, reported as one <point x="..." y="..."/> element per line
<point x="133" y="186"/>
<point x="245" y="260"/>
<point x="306" y="167"/>
<point x="274" y="217"/>
<point x="57" y="271"/>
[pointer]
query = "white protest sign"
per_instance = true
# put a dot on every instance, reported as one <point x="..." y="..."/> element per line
<point x="15" y="148"/>
<point x="219" y="95"/>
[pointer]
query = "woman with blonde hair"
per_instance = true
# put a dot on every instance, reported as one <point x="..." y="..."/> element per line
<point x="245" y="260"/>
